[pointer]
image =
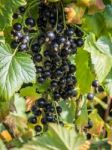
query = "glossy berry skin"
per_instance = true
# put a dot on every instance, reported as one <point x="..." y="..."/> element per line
<point x="95" y="83"/>
<point x="37" y="112"/>
<point x="69" y="31"/>
<point x="72" y="68"/>
<point x="22" y="9"/>
<point x="44" y="121"/>
<point x="30" y="22"/>
<point x="80" y="42"/>
<point x="50" y="35"/>
<point x="17" y="27"/>
<point x="90" y="96"/>
<point x="41" y="80"/>
<point x="38" y="128"/>
<point x="32" y="120"/>
<point x="50" y="118"/>
<point x="38" y="57"/>
<point x="51" y="109"/>
<point x="39" y="69"/>
<point x="56" y="95"/>
<point x="35" y="48"/>
<point x="54" y="84"/>
<point x="41" y="102"/>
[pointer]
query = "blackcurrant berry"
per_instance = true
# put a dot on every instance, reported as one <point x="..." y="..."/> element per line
<point x="80" y="42"/>
<point x="43" y="120"/>
<point x="95" y="83"/>
<point x="50" y="35"/>
<point x="38" y="128"/>
<point x="41" y="102"/>
<point x="37" y="112"/>
<point x="30" y="22"/>
<point x="32" y="120"/>
<point x="50" y="118"/>
<point x="38" y="57"/>
<point x="35" y="48"/>
<point x="22" y="9"/>
<point x="56" y="95"/>
<point x="72" y="68"/>
<point x="54" y="84"/>
<point x="90" y="96"/>
<point x="51" y="109"/>
<point x="17" y="26"/>
<point x="41" y="80"/>
<point x="39" y="69"/>
<point x="69" y="31"/>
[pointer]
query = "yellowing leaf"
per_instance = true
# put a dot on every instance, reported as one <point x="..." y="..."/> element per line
<point x="6" y="135"/>
<point x="74" y="14"/>
<point x="97" y="121"/>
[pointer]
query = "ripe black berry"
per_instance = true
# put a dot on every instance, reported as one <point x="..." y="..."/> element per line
<point x="50" y="35"/>
<point x="90" y="96"/>
<point x="17" y="26"/>
<point x="37" y="112"/>
<point x="39" y="69"/>
<point x="95" y="83"/>
<point x="38" y="128"/>
<point x="41" y="102"/>
<point x="35" y="48"/>
<point x="80" y="42"/>
<point x="38" y="57"/>
<point x="32" y="120"/>
<point x="40" y="79"/>
<point x="72" y="68"/>
<point x="30" y="22"/>
<point x="22" y="9"/>
<point x="50" y="118"/>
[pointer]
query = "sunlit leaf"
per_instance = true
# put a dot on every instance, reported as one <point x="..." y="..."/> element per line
<point x="56" y="138"/>
<point x="15" y="69"/>
<point x="97" y="121"/>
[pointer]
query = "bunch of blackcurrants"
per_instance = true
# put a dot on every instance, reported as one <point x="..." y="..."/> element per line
<point x="51" y="42"/>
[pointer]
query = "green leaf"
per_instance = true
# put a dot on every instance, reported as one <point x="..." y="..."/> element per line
<point x="57" y="138"/>
<point x="15" y="69"/>
<point x="104" y="45"/>
<point x="83" y="117"/>
<point x="20" y="105"/>
<point x="108" y="16"/>
<point x="53" y="1"/>
<point x="2" y="145"/>
<point x="29" y="91"/>
<point x="69" y="110"/>
<point x="108" y="83"/>
<point x="97" y="121"/>
<point x="102" y="62"/>
<point x="97" y="20"/>
<point x="84" y="74"/>
<point x="7" y="8"/>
